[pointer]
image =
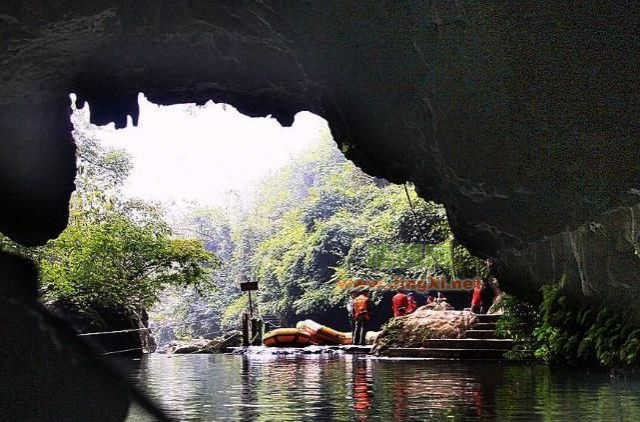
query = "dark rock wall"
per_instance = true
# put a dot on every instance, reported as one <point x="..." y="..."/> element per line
<point x="521" y="118"/>
<point x="100" y="319"/>
<point x="599" y="258"/>
<point x="47" y="373"/>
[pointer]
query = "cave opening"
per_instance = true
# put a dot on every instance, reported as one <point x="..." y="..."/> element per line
<point x="522" y="120"/>
<point x="242" y="186"/>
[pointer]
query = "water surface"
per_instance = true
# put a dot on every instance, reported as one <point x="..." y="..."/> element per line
<point x="359" y="388"/>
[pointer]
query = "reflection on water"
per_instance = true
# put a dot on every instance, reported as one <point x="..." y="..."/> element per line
<point x="352" y="388"/>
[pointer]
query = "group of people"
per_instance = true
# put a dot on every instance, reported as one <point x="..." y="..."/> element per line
<point x="405" y="302"/>
<point x="359" y="309"/>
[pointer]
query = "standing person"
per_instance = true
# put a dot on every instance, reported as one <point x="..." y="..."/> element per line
<point x="352" y="320"/>
<point x="412" y="303"/>
<point x="476" y="300"/>
<point x="361" y="313"/>
<point x="486" y="296"/>
<point x="399" y="304"/>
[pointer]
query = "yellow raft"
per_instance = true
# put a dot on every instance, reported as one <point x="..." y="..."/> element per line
<point x="321" y="334"/>
<point x="286" y="337"/>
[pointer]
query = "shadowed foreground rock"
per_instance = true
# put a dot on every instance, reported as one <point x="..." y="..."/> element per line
<point x="43" y="362"/>
<point x="424" y="324"/>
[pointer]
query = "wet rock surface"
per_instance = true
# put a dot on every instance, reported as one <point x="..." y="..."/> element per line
<point x="187" y="346"/>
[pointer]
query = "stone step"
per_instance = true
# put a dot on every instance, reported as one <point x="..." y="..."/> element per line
<point x="485" y="326"/>
<point x="469" y="343"/>
<point x="446" y="353"/>
<point x="480" y="334"/>
<point x="488" y="318"/>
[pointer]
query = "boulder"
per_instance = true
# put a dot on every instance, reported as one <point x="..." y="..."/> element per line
<point x="202" y="345"/>
<point x="188" y="346"/>
<point x="439" y="306"/>
<point x="424" y="324"/>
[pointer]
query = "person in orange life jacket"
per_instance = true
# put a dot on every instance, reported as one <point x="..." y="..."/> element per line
<point x="412" y="304"/>
<point x="361" y="313"/>
<point x="399" y="304"/>
<point x="476" y="299"/>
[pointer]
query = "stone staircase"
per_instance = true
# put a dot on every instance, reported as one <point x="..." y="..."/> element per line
<point x="479" y="343"/>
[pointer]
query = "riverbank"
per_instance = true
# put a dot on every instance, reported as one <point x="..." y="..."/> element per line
<point x="427" y="333"/>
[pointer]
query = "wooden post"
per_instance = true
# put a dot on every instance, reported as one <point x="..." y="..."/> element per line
<point x="245" y="329"/>
<point x="250" y="333"/>
<point x="257" y="330"/>
<point x="254" y="331"/>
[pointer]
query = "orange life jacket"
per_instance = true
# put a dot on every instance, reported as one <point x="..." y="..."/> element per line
<point x="399" y="304"/>
<point x="475" y="297"/>
<point x="361" y="307"/>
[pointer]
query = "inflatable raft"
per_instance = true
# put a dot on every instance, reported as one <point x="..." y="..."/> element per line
<point x="321" y="334"/>
<point x="286" y="337"/>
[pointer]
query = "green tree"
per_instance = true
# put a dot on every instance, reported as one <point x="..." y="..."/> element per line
<point x="119" y="261"/>
<point x="115" y="253"/>
<point x="312" y="223"/>
<point x="327" y="218"/>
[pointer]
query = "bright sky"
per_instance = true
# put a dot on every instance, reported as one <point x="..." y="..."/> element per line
<point x="191" y="153"/>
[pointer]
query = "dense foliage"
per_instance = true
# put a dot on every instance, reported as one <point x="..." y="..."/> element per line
<point x="115" y="253"/>
<point x="117" y="261"/>
<point x="519" y="321"/>
<point x="583" y="330"/>
<point x="313" y="223"/>
<point x="574" y="329"/>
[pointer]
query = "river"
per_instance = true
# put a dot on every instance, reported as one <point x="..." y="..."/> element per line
<point x="359" y="388"/>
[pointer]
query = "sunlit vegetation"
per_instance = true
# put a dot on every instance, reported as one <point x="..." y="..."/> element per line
<point x="311" y="224"/>
<point x="115" y="253"/>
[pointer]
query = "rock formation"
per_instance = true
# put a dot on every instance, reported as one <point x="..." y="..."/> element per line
<point x="219" y="344"/>
<point x="131" y="336"/>
<point x="522" y="118"/>
<point x="424" y="324"/>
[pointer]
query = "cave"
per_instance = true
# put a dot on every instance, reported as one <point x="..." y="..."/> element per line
<point x="522" y="119"/>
